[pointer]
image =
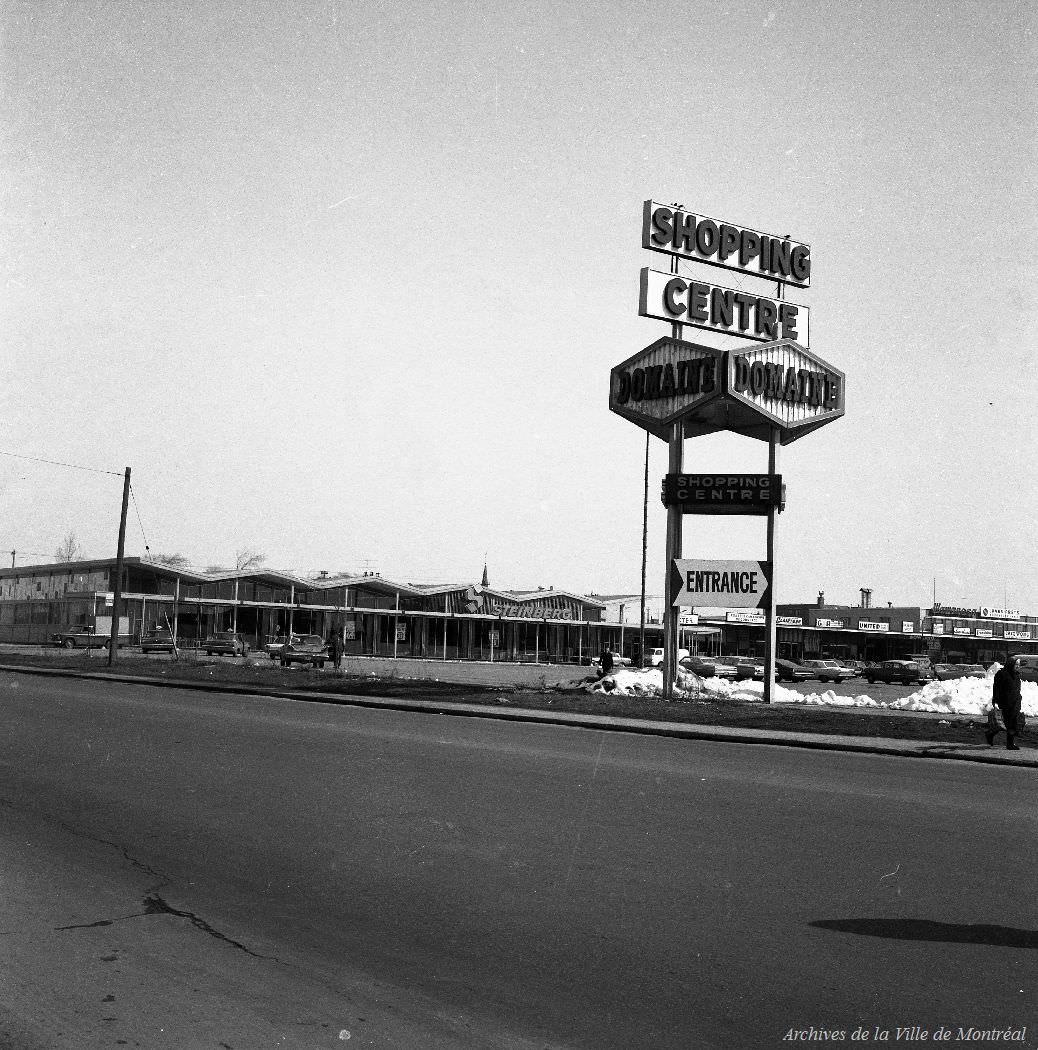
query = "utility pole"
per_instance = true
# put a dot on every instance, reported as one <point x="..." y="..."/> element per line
<point x="645" y="548"/>
<point x="117" y="596"/>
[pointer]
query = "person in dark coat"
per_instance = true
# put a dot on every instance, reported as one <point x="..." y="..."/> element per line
<point x="607" y="661"/>
<point x="1005" y="695"/>
<point x="335" y="647"/>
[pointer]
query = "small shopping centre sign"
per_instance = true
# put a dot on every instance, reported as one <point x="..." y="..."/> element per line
<point x="723" y="493"/>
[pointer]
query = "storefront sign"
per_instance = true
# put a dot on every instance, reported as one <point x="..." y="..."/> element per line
<point x="872" y="625"/>
<point x="717" y="308"/>
<point x="789" y="621"/>
<point x="1021" y="636"/>
<point x="534" y="612"/>
<point x="728" y="584"/>
<point x="938" y="628"/>
<point x="723" y="493"/>
<point x="962" y="631"/>
<point x="675" y="231"/>
<point x="688" y="619"/>
<point x="837" y="624"/>
<point x="349" y="630"/>
<point x="907" y="626"/>
<point x="756" y="616"/>
<point x="985" y="632"/>
<point x="1000" y="614"/>
<point x="401" y="632"/>
<point x="954" y="610"/>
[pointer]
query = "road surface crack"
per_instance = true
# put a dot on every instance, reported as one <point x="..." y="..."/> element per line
<point x="155" y="905"/>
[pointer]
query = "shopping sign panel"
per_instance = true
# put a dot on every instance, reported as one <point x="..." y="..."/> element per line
<point x="726" y="584"/>
<point x="750" y="390"/>
<point x="670" y="229"/>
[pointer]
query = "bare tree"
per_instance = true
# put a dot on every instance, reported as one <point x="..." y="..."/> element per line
<point x="69" y="549"/>
<point x="248" y="559"/>
<point x="172" y="561"/>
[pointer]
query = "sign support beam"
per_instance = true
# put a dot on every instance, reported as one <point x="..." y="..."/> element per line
<point x="770" y="635"/>
<point x="671" y="613"/>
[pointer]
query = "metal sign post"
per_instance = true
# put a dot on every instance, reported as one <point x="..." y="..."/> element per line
<point x="670" y="610"/>
<point x="770" y="632"/>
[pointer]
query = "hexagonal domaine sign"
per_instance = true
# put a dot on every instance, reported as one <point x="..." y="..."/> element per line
<point x="783" y="385"/>
<point x="665" y="382"/>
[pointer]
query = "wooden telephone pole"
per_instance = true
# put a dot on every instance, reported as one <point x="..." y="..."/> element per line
<point x="117" y="595"/>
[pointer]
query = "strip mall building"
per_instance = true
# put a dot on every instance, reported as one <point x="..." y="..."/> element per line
<point x="378" y="616"/>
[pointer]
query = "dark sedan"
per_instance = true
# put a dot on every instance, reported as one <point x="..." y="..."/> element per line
<point x="304" y="649"/>
<point x="157" y="642"/>
<point x="226" y="643"/>
<point x="788" y="671"/>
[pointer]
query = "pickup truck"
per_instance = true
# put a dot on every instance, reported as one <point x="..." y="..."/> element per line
<point x="903" y="671"/>
<point x="79" y="637"/>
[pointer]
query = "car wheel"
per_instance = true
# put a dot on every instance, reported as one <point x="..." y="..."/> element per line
<point x="69" y="643"/>
<point x="871" y="681"/>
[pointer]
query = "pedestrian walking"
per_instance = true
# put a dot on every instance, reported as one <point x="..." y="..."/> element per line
<point x="606" y="660"/>
<point x="1005" y="695"/>
<point x="335" y="645"/>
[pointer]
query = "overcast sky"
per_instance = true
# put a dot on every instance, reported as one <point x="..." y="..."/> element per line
<point x="342" y="282"/>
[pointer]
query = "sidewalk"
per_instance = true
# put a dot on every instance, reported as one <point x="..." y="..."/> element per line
<point x="970" y="752"/>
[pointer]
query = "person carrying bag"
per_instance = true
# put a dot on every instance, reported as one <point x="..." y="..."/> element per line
<point x="1005" y="696"/>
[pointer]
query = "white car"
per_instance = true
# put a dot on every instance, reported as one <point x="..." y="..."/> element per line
<point x="654" y="657"/>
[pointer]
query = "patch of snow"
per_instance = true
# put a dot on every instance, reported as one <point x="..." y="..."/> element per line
<point x="961" y="696"/>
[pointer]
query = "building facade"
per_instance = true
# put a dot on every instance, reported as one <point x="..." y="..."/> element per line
<point x="378" y="616"/>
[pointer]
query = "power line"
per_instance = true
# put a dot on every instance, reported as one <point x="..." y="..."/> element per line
<point x="139" y="522"/>
<point x="58" y="463"/>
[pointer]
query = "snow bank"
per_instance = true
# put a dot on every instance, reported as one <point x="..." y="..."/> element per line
<point x="961" y="696"/>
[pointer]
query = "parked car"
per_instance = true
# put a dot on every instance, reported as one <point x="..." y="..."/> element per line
<point x="857" y="666"/>
<point x="949" y="672"/>
<point x="1027" y="665"/>
<point x="830" y="670"/>
<point x="903" y="671"/>
<point x="654" y="657"/>
<point x="304" y="649"/>
<point x="697" y="665"/>
<point x="226" y="643"/>
<point x="618" y="660"/>
<point x="157" y="642"/>
<point x="788" y="671"/>
<point x="742" y="668"/>
<point x="80" y="636"/>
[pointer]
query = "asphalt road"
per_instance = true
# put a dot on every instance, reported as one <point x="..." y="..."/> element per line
<point x="190" y="870"/>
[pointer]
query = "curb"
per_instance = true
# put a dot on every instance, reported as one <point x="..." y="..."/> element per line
<point x="643" y="727"/>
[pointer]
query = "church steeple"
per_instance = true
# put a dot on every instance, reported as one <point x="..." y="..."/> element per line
<point x="486" y="578"/>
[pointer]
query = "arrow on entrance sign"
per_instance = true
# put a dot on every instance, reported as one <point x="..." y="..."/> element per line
<point x="727" y="584"/>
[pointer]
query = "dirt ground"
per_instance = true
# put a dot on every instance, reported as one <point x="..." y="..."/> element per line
<point x="566" y="697"/>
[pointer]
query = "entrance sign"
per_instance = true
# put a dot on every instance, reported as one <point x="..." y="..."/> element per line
<point x="728" y="584"/>
<point x="677" y="232"/>
<point x="717" y="308"/>
<point x="723" y="493"/>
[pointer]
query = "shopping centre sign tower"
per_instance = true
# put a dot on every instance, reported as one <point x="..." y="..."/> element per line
<point x="770" y="387"/>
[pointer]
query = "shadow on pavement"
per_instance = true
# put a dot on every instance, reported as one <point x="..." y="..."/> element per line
<point x="927" y="930"/>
